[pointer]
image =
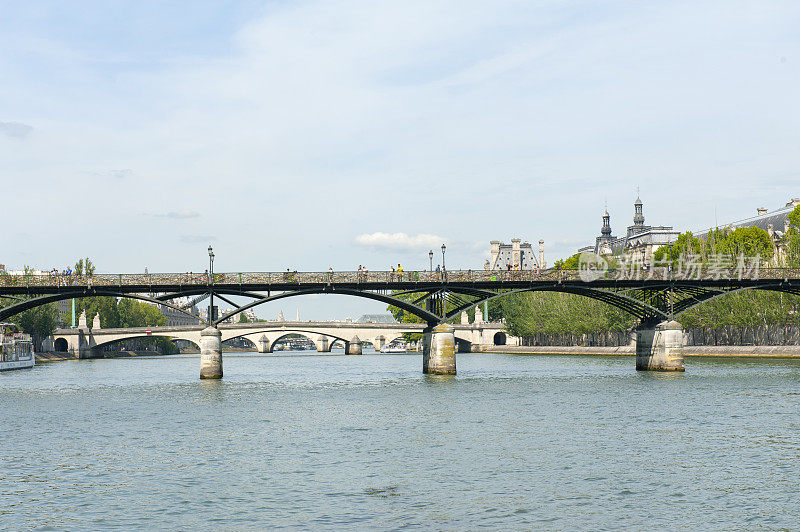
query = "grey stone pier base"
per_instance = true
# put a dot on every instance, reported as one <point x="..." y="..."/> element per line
<point x="210" y="353"/>
<point x="263" y="345"/>
<point x="439" y="350"/>
<point x="660" y="348"/>
<point x="354" y="346"/>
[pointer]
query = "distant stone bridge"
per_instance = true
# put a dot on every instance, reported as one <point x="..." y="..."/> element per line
<point x="84" y="342"/>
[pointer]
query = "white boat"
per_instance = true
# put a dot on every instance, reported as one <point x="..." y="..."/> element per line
<point x="16" y="349"/>
<point x="394" y="349"/>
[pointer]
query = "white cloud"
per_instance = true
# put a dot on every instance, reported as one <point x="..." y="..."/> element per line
<point x="179" y="215"/>
<point x="15" y="129"/>
<point x="399" y="241"/>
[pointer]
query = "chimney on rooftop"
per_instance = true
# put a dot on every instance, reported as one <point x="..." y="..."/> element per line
<point x="495" y="251"/>
<point x="761" y="211"/>
<point x="541" y="254"/>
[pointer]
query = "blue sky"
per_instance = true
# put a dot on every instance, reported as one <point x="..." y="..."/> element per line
<point x="308" y="134"/>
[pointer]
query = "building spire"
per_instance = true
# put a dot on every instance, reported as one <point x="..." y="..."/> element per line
<point x="606" y="230"/>
<point x="638" y="216"/>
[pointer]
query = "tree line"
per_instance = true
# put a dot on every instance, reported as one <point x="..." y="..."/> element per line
<point x="529" y="313"/>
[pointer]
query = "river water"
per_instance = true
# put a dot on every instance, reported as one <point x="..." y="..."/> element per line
<point x="336" y="442"/>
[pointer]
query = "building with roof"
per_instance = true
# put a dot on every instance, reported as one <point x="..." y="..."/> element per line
<point x="640" y="240"/>
<point x="177" y="318"/>
<point x="775" y="223"/>
<point x="518" y="255"/>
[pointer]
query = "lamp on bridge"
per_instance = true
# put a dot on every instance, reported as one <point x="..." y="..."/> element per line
<point x="211" y="314"/>
<point x="443" y="248"/>
<point x="430" y="256"/>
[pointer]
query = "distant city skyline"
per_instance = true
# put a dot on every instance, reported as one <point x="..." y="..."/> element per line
<point x="310" y="135"/>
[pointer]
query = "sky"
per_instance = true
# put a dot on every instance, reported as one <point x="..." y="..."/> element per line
<point x="316" y="134"/>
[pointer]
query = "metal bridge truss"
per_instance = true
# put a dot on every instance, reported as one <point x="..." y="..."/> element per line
<point x="433" y="301"/>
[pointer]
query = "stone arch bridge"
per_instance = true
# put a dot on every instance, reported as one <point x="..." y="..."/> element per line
<point x="84" y="342"/>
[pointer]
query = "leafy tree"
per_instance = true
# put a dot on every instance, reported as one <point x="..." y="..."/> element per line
<point x="570" y="263"/>
<point x="243" y="318"/>
<point x="747" y="241"/>
<point x="793" y="239"/>
<point x="743" y="308"/>
<point x="40" y="322"/>
<point x="134" y="313"/>
<point x="686" y="244"/>
<point x="528" y="313"/>
<point x="106" y="306"/>
<point x="84" y="266"/>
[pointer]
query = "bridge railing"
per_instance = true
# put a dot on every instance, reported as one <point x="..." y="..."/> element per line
<point x="156" y="280"/>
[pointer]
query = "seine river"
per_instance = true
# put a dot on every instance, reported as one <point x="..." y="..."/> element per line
<point x="335" y="442"/>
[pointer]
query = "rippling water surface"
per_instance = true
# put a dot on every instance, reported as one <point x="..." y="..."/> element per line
<point x="329" y="441"/>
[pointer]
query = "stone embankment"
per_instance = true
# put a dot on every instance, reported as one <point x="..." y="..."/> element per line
<point x="51" y="356"/>
<point x="757" y="351"/>
<point x="48" y="356"/>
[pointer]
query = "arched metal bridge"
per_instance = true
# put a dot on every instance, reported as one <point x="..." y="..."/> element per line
<point x="436" y="297"/>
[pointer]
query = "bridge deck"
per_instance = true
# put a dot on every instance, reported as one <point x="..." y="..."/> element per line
<point x="408" y="281"/>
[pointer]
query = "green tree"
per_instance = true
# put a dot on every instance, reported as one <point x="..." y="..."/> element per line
<point x="84" y="266"/>
<point x="570" y="263"/>
<point x="747" y="241"/>
<point x="528" y="313"/>
<point x="686" y="244"/>
<point x="104" y="305"/>
<point x="743" y="308"/>
<point x="134" y="313"/>
<point x="793" y="239"/>
<point x="40" y="322"/>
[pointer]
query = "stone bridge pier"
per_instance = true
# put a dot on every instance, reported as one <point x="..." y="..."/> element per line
<point x="263" y="344"/>
<point x="353" y="347"/>
<point x="439" y="350"/>
<point x="660" y="347"/>
<point x="324" y="344"/>
<point x="210" y="353"/>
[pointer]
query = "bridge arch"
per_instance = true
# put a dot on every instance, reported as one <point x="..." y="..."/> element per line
<point x="137" y="336"/>
<point x="624" y="302"/>
<point x="426" y="315"/>
<point x="283" y="332"/>
<point x="61" y="345"/>
<point x="693" y="302"/>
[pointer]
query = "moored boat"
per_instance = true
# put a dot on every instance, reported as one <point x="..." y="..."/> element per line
<point x="16" y="349"/>
<point x="394" y="349"/>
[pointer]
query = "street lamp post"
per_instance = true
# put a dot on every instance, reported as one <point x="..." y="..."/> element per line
<point x="671" y="281"/>
<point x="430" y="256"/>
<point x="443" y="249"/>
<point x="211" y="281"/>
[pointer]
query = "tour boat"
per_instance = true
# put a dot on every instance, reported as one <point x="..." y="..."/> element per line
<point x="16" y="349"/>
<point x="395" y="349"/>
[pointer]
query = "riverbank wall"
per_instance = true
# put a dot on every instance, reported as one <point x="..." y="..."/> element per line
<point x="52" y="356"/>
<point x="756" y="351"/>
